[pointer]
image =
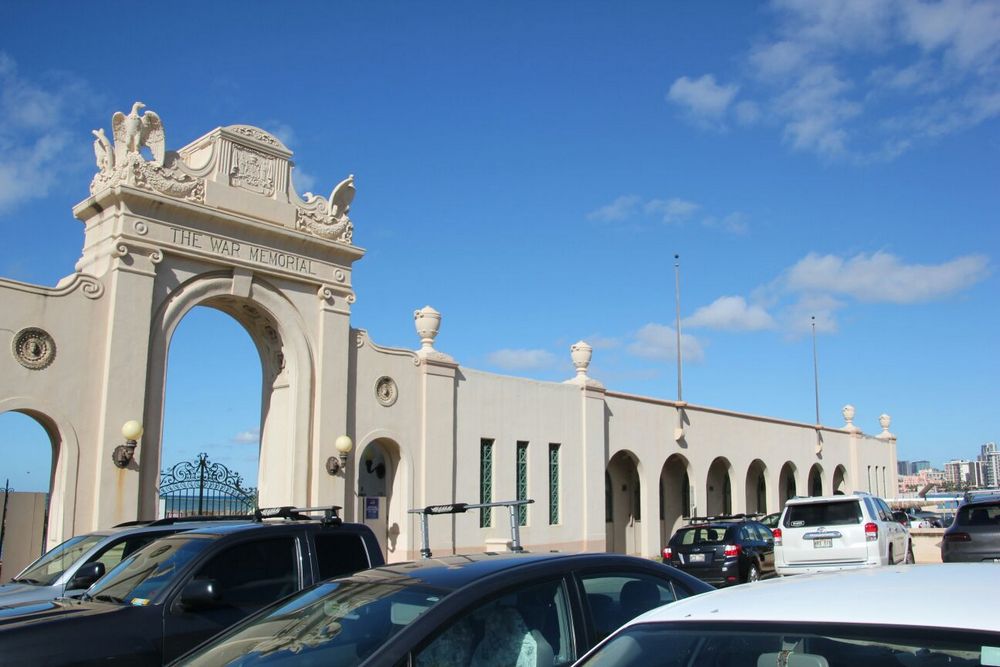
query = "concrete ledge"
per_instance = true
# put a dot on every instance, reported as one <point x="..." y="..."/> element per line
<point x="927" y="544"/>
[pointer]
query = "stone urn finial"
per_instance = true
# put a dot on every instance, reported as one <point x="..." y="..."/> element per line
<point x="581" y="354"/>
<point x="884" y="421"/>
<point x="848" y="412"/>
<point x="428" y="322"/>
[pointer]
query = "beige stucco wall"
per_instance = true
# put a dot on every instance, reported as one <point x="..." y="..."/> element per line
<point x="23" y="531"/>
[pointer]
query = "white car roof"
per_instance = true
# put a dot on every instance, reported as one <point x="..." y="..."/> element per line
<point x="940" y="595"/>
<point x="805" y="500"/>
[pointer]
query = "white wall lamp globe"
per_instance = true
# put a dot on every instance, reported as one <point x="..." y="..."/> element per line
<point x="123" y="454"/>
<point x="335" y="464"/>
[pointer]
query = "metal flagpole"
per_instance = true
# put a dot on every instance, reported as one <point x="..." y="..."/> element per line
<point x="815" y="368"/>
<point x="677" y="303"/>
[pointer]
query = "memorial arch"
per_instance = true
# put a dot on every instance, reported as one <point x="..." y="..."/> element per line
<point x="217" y="224"/>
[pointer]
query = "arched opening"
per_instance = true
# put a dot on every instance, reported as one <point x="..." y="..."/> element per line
<point x="212" y="417"/>
<point x="756" y="490"/>
<point x="840" y="480"/>
<point x="379" y="491"/>
<point x="786" y="483"/>
<point x="675" y="496"/>
<point x="719" y="490"/>
<point x="816" y="480"/>
<point x="623" y="534"/>
<point x="25" y="485"/>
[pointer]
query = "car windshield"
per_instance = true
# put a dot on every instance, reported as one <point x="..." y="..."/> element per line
<point x="979" y="515"/>
<point x="141" y="577"/>
<point x="48" y="568"/>
<point x="700" y="535"/>
<point x="837" y="513"/>
<point x="732" y="645"/>
<point x="334" y="623"/>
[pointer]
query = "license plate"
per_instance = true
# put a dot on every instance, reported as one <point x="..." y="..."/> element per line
<point x="822" y="544"/>
<point x="697" y="558"/>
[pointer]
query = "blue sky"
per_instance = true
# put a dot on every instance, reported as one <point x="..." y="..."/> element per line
<point x="530" y="169"/>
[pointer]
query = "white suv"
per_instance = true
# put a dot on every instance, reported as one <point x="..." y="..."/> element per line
<point x="838" y="533"/>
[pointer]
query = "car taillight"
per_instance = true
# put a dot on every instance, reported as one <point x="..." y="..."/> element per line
<point x="871" y="532"/>
<point x="733" y="550"/>
<point x="667" y="553"/>
<point x="957" y="537"/>
<point x="776" y="534"/>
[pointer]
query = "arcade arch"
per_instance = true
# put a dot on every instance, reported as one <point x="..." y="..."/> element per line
<point x="816" y="480"/>
<point x="719" y="487"/>
<point x="787" y="487"/>
<point x="756" y="487"/>
<point x="623" y="500"/>
<point x="675" y="495"/>
<point x="278" y="333"/>
<point x="382" y="487"/>
<point x="839" y="480"/>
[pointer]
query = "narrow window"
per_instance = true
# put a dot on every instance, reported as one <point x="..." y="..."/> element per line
<point x="485" y="481"/>
<point x="553" y="483"/>
<point x="522" y="481"/>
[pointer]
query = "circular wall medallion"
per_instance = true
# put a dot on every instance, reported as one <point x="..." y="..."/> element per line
<point x="34" y="348"/>
<point x="386" y="391"/>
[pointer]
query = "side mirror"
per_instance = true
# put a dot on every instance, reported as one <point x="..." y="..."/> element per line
<point x="200" y="594"/>
<point x="86" y="575"/>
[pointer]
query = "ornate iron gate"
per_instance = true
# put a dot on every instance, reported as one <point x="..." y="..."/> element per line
<point x="202" y="488"/>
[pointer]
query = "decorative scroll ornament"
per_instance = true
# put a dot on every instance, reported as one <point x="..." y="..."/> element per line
<point x="123" y="162"/>
<point x="328" y="218"/>
<point x="34" y="348"/>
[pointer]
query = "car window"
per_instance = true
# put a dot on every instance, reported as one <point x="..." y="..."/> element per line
<point x="736" y="644"/>
<point x="836" y="513"/>
<point x="701" y="535"/>
<point x="255" y="573"/>
<point x="529" y="626"/>
<point x="340" y="553"/>
<point x="613" y="599"/>
<point x="48" y="568"/>
<point x="979" y="515"/>
<point x="746" y="535"/>
<point x="884" y="512"/>
<point x="142" y="576"/>
<point x="763" y="532"/>
<point x="122" y="548"/>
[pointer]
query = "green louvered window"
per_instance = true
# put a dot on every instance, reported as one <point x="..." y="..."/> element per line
<point x="522" y="481"/>
<point x="553" y="483"/>
<point x="485" y="481"/>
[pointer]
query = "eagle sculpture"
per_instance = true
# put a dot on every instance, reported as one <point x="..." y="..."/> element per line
<point x="133" y="131"/>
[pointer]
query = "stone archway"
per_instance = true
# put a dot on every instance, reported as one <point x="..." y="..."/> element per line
<point x="787" y="487"/>
<point x="815" y="484"/>
<point x="379" y="489"/>
<point x="675" y="495"/>
<point x="840" y="480"/>
<point x="623" y="533"/>
<point x="719" y="488"/>
<point x="276" y="329"/>
<point x="756" y="488"/>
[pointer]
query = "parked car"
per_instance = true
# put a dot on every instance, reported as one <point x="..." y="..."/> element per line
<point x="723" y="550"/>
<point x="771" y="520"/>
<point x="975" y="533"/>
<point x="486" y="609"/>
<point x="881" y="616"/>
<point x="182" y="589"/>
<point x="71" y="567"/>
<point x="838" y="532"/>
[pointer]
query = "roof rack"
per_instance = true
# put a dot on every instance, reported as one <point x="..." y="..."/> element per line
<point x="461" y="508"/>
<point x="330" y="516"/>
<point x="171" y="520"/>
<point x="723" y="517"/>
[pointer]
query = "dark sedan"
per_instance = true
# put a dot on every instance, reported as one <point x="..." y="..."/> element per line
<point x="722" y="551"/>
<point x="525" y="609"/>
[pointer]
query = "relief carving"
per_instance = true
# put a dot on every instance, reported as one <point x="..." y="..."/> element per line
<point x="255" y="133"/>
<point x="328" y="218"/>
<point x="34" y="348"/>
<point x="252" y="170"/>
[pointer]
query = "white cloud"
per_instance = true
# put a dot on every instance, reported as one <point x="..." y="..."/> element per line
<point x="883" y="278"/>
<point x="731" y="313"/>
<point x="967" y="32"/>
<point x="659" y="342"/>
<point x="303" y="181"/>
<point x="620" y="209"/>
<point x="512" y="360"/>
<point x="703" y="98"/>
<point x="38" y="143"/>
<point x="248" y="437"/>
<point x="599" y="342"/>
<point x="672" y="210"/>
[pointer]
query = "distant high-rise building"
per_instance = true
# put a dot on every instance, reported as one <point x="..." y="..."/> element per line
<point x="964" y="473"/>
<point x="989" y="459"/>
<point x="917" y="466"/>
<point x="903" y="467"/>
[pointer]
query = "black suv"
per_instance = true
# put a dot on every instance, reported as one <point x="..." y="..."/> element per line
<point x="722" y="550"/>
<point x="974" y="535"/>
<point x="180" y="590"/>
